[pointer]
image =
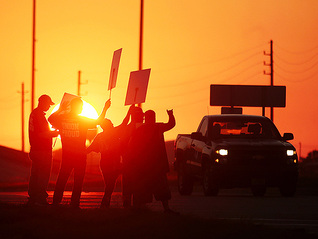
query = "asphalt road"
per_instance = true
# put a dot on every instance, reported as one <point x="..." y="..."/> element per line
<point x="299" y="212"/>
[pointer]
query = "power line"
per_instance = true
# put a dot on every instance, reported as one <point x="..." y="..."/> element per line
<point x="297" y="72"/>
<point x="297" y="81"/>
<point x="297" y="63"/>
<point x="226" y="70"/>
<point x="297" y="52"/>
<point x="216" y="60"/>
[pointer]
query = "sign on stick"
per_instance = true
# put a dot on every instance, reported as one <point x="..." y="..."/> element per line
<point x="137" y="87"/>
<point x="114" y="69"/>
<point x="68" y="98"/>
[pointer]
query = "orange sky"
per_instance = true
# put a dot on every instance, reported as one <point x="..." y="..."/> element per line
<point x="187" y="44"/>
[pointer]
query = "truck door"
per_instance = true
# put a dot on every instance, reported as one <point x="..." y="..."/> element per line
<point x="198" y="145"/>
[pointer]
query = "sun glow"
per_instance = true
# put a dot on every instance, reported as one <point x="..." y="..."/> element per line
<point x="88" y="110"/>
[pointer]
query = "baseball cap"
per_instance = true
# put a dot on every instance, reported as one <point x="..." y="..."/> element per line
<point x="46" y="99"/>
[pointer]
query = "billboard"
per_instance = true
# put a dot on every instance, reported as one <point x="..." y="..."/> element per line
<point x="248" y="95"/>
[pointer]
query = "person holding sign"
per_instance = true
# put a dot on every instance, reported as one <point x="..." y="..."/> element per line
<point x="151" y="161"/>
<point x="73" y="130"/>
<point x="108" y="144"/>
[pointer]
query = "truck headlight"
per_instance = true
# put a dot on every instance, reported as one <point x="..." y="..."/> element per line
<point x="222" y="152"/>
<point x="291" y="156"/>
<point x="290" y="152"/>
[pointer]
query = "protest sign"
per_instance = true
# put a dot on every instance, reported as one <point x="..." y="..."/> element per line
<point x="137" y="87"/>
<point x="67" y="98"/>
<point x="114" y="69"/>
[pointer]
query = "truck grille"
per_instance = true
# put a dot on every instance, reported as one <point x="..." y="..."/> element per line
<point x="255" y="156"/>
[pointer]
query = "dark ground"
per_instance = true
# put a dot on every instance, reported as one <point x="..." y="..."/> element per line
<point x="18" y="221"/>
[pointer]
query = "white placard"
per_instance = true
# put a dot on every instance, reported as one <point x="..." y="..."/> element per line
<point x="137" y="87"/>
<point x="114" y="69"/>
<point x="67" y="97"/>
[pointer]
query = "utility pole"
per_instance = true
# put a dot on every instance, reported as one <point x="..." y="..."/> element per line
<point x="141" y="35"/>
<point x="79" y="83"/>
<point x="271" y="64"/>
<point x="22" y="116"/>
<point x="33" y="57"/>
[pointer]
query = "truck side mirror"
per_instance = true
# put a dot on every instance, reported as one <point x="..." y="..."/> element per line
<point x="197" y="136"/>
<point x="288" y="136"/>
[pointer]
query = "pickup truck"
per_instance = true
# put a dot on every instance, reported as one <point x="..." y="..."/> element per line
<point x="229" y="151"/>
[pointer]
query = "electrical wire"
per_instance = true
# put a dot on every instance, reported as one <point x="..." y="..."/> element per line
<point x="218" y="60"/>
<point x="297" y="81"/>
<point x="297" y="52"/>
<point x="298" y="63"/>
<point x="216" y="73"/>
<point x="297" y="72"/>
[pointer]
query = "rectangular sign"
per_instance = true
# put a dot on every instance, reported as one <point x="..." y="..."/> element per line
<point x="67" y="98"/>
<point x="248" y="95"/>
<point x="137" y="87"/>
<point x="114" y="69"/>
<point x="229" y="110"/>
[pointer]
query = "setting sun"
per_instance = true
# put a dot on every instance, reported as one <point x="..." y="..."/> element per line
<point x="88" y="110"/>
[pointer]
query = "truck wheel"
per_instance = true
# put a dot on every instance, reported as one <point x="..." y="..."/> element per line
<point x="258" y="190"/>
<point x="210" y="187"/>
<point x="185" y="182"/>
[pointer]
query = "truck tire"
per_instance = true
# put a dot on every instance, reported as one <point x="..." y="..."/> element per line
<point x="185" y="182"/>
<point x="209" y="185"/>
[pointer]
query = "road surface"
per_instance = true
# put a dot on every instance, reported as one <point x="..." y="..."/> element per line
<point x="300" y="211"/>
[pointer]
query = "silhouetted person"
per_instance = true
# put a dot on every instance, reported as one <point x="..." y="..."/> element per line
<point x="108" y="144"/>
<point x="150" y="161"/>
<point x="40" y="137"/>
<point x="137" y="118"/>
<point x="73" y="130"/>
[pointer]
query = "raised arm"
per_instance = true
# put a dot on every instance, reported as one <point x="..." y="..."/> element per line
<point x="127" y="117"/>
<point x="102" y="115"/>
<point x="171" y="122"/>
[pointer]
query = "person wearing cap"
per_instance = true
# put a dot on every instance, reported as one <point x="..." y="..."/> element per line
<point x="40" y="137"/>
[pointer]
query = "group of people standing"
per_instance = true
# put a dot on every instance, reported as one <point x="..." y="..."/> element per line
<point x="135" y="149"/>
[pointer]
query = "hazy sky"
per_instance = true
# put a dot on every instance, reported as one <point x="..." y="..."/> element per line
<point x="187" y="44"/>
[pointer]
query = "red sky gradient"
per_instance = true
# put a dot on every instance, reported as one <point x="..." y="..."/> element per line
<point x="187" y="44"/>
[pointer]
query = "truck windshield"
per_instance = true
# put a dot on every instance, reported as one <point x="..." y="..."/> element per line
<point x="243" y="129"/>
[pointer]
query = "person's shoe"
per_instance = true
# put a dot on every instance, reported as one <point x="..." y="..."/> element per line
<point x="42" y="203"/>
<point x="127" y="204"/>
<point x="30" y="203"/>
<point x="104" y="206"/>
<point x="74" y="206"/>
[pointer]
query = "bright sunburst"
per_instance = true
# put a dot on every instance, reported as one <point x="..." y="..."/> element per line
<point x="88" y="110"/>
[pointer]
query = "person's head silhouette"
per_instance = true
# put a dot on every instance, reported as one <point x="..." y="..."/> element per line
<point x="77" y="106"/>
<point x="106" y="125"/>
<point x="45" y="102"/>
<point x="137" y="115"/>
<point x="150" y="117"/>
